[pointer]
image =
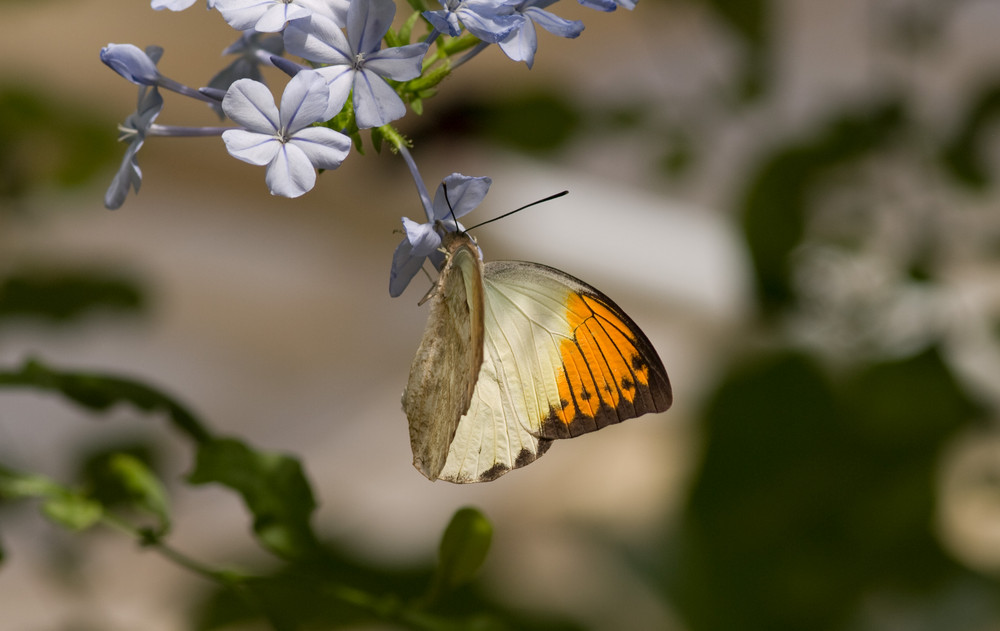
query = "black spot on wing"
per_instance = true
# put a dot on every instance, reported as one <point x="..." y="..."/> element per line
<point x="494" y="472"/>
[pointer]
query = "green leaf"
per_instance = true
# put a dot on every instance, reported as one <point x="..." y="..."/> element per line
<point x="750" y="19"/>
<point x="406" y="31"/>
<point x="72" y="510"/>
<point x="100" y="392"/>
<point x="464" y="546"/>
<point x="536" y="122"/>
<point x="16" y="485"/>
<point x="60" y="504"/>
<point x="144" y="488"/>
<point x="965" y="156"/>
<point x="48" y="140"/>
<point x="417" y="5"/>
<point x="273" y="487"/>
<point x="779" y="196"/>
<point x="61" y="295"/>
<point x="816" y="489"/>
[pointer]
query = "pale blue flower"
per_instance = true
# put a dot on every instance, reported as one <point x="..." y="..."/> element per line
<point x="521" y="43"/>
<point x="284" y="139"/>
<point x="270" y="16"/>
<point x="456" y="196"/>
<point x="489" y="20"/>
<point x="134" y="131"/>
<point x="357" y="62"/>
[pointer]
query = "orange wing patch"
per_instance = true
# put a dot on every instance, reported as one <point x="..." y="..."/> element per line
<point x="605" y="375"/>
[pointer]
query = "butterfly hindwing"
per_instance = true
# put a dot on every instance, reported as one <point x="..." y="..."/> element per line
<point x="443" y="372"/>
<point x="560" y="359"/>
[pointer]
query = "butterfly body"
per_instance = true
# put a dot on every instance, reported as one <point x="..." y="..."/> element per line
<point x="537" y="354"/>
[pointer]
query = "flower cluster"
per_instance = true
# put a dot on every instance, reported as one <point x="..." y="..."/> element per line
<point x="353" y="73"/>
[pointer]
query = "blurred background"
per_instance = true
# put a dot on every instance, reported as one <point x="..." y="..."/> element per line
<point x="796" y="200"/>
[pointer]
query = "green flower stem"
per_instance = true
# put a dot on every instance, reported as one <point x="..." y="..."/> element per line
<point x="149" y="539"/>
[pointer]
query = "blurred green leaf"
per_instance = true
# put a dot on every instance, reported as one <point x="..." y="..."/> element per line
<point x="94" y="469"/>
<point x="62" y="505"/>
<point x="679" y="154"/>
<point x="273" y="487"/>
<point x="814" y="492"/>
<point x="49" y="140"/>
<point x="911" y="404"/>
<point x="64" y="294"/>
<point x="965" y="155"/>
<point x="333" y="589"/>
<point x="463" y="549"/>
<point x="73" y="511"/>
<point x="100" y="392"/>
<point x="779" y="194"/>
<point x="532" y="122"/>
<point x="751" y="20"/>
<point x="144" y="489"/>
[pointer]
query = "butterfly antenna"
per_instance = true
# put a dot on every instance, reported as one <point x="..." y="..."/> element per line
<point x="507" y="214"/>
<point x="444" y="187"/>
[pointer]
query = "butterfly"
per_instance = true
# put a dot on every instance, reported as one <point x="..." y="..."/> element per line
<point x="514" y="356"/>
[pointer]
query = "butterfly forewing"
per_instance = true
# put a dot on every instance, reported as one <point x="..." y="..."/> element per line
<point x="592" y="365"/>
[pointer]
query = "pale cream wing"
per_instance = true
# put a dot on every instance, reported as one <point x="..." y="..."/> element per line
<point x="443" y="372"/>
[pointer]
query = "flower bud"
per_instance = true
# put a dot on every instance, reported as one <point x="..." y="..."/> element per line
<point x="132" y="63"/>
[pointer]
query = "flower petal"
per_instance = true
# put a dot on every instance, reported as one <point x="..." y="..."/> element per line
<point x="444" y="21"/>
<point x="148" y="107"/>
<point x="336" y="10"/>
<point x="404" y="267"/>
<point x="249" y="104"/>
<point x="367" y="22"/>
<point x="458" y="194"/>
<point x="401" y="63"/>
<point x="489" y="22"/>
<point x="318" y="39"/>
<point x="129" y="175"/>
<point x="340" y="80"/>
<point x="243" y="14"/>
<point x="422" y="237"/>
<point x="553" y="23"/>
<point x="521" y="43"/>
<point x="324" y="147"/>
<point x="290" y="174"/>
<point x="600" y="5"/>
<point x="375" y="102"/>
<point x="281" y="14"/>
<point x="248" y="146"/>
<point x="304" y="101"/>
